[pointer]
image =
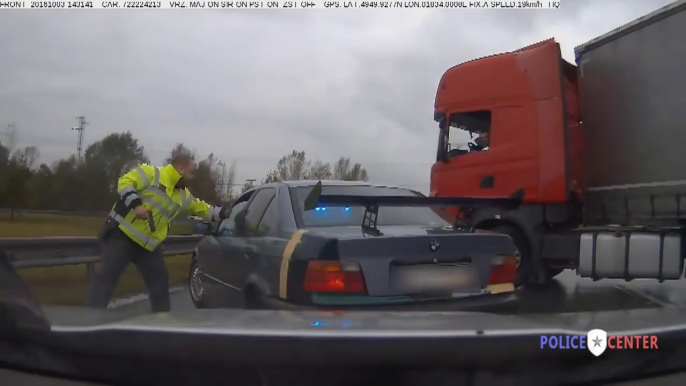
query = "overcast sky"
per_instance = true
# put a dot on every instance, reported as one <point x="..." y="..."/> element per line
<point x="253" y="85"/>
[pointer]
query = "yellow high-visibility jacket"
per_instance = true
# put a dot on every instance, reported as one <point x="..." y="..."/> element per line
<point x="155" y="188"/>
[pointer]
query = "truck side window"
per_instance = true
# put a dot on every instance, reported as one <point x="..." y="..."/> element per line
<point x="469" y="132"/>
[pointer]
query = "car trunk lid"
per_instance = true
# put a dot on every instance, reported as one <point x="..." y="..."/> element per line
<point x="421" y="261"/>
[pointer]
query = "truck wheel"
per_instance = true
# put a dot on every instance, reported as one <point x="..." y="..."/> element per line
<point x="524" y="270"/>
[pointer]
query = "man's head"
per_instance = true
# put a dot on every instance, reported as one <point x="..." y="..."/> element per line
<point x="483" y="139"/>
<point x="184" y="164"/>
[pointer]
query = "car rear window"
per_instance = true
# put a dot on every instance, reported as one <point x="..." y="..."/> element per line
<point x="352" y="215"/>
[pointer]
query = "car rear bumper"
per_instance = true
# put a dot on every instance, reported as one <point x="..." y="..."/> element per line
<point x="480" y="303"/>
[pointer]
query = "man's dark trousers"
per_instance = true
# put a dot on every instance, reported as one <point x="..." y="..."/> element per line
<point x="117" y="252"/>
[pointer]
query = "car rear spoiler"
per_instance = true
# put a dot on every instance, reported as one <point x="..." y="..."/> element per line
<point x="372" y="203"/>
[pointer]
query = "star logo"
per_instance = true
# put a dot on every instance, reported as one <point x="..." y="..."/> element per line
<point x="596" y="340"/>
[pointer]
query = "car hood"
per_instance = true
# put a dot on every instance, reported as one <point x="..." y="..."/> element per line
<point x="249" y="337"/>
<point x="232" y="339"/>
<point x="320" y="337"/>
<point x="366" y="323"/>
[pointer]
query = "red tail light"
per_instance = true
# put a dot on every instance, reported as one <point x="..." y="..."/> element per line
<point x="503" y="270"/>
<point x="334" y="276"/>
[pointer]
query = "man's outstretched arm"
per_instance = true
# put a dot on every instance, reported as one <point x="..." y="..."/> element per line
<point x="202" y="209"/>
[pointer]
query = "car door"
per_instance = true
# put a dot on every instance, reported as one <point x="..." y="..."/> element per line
<point x="221" y="251"/>
<point x="247" y="227"/>
<point x="267" y="246"/>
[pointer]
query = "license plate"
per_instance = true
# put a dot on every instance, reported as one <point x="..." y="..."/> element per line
<point x="432" y="278"/>
<point x="500" y="288"/>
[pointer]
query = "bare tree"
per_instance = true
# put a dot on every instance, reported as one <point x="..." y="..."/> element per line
<point x="343" y="171"/>
<point x="247" y="186"/>
<point x="295" y="166"/>
<point x="357" y="173"/>
<point x="179" y="148"/>
<point x="341" y="168"/>
<point x="31" y="156"/>
<point x="230" y="181"/>
<point x="11" y="137"/>
<point x="216" y="175"/>
<point x="319" y="171"/>
<point x="292" y="167"/>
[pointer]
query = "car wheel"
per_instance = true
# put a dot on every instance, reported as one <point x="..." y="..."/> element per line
<point x="252" y="299"/>
<point x="524" y="269"/>
<point x="196" y="287"/>
<point x="552" y="272"/>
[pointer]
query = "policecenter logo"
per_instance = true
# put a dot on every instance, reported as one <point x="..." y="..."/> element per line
<point x="597" y="341"/>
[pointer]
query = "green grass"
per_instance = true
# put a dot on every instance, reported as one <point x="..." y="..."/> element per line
<point x="33" y="225"/>
<point x="68" y="285"/>
<point x="37" y="225"/>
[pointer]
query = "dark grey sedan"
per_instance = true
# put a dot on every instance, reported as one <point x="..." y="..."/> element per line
<point x="370" y="246"/>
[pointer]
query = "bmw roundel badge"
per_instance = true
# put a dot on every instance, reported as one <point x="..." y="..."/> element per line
<point x="434" y="245"/>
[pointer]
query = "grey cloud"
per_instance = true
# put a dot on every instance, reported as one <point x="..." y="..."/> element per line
<point x="253" y="85"/>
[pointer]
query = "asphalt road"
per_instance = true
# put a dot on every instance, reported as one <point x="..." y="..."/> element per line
<point x="568" y="293"/>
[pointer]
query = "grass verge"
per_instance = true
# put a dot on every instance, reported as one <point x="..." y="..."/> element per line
<point x="68" y="285"/>
<point x="48" y="225"/>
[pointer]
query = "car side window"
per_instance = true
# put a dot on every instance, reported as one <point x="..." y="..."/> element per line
<point x="228" y="227"/>
<point x="248" y="220"/>
<point x="268" y="224"/>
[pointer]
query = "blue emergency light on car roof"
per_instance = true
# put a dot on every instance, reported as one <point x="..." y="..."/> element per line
<point x="324" y="209"/>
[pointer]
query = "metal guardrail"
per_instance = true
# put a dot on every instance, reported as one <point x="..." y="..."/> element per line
<point x="50" y="212"/>
<point x="59" y="251"/>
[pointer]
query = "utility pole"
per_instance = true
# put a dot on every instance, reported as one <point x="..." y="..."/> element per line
<point x="80" y="129"/>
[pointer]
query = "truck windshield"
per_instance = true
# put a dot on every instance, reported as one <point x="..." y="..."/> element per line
<point x="352" y="215"/>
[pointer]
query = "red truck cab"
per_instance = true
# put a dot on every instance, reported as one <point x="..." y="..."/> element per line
<point x="527" y="102"/>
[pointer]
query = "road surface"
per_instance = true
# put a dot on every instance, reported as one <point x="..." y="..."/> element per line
<point x="568" y="293"/>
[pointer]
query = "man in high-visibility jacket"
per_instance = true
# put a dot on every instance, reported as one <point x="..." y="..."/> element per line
<point x="150" y="198"/>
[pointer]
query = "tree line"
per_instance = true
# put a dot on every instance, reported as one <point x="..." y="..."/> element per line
<point x="91" y="183"/>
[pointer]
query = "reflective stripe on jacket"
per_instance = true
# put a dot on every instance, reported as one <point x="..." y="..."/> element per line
<point x="155" y="187"/>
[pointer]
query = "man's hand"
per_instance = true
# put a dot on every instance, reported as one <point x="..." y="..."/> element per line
<point x="224" y="212"/>
<point x="141" y="212"/>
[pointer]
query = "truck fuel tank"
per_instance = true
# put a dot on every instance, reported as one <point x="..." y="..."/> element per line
<point x="630" y="255"/>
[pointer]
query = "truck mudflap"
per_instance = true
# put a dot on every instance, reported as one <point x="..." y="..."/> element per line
<point x="631" y="255"/>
